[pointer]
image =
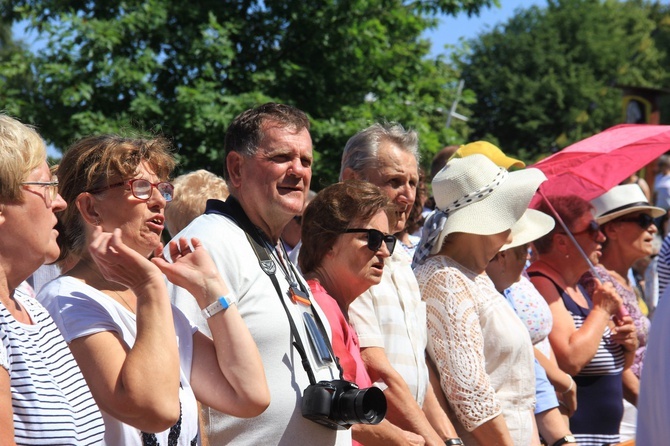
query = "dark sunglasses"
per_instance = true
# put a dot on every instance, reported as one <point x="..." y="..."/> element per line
<point x="642" y="220"/>
<point x="593" y="230"/>
<point x="142" y="189"/>
<point x="376" y="238"/>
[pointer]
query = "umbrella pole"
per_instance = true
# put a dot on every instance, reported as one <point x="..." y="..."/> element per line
<point x="572" y="237"/>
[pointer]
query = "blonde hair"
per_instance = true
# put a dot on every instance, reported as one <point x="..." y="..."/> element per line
<point x="22" y="150"/>
<point x="191" y="192"/>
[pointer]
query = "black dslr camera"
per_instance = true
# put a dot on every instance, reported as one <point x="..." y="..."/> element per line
<point x="338" y="404"/>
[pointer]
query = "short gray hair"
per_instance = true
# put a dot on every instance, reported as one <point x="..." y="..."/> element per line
<point x="362" y="149"/>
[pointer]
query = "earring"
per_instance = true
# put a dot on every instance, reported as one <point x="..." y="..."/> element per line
<point x="96" y="222"/>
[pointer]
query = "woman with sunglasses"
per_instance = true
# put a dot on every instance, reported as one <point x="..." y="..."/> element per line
<point x="145" y="362"/>
<point x="627" y="219"/>
<point x="588" y="345"/>
<point x="345" y="240"/>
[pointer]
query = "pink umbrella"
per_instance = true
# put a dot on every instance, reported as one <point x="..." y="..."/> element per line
<point x="594" y="165"/>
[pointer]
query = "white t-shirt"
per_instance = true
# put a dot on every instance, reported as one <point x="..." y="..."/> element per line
<point x="80" y="310"/>
<point x="282" y="422"/>
<point x="51" y="402"/>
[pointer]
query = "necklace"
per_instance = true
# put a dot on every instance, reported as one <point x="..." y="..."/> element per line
<point x="88" y="265"/>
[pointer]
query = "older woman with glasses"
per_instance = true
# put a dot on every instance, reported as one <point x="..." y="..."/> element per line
<point x="588" y="345"/>
<point x="145" y="362"/>
<point x="627" y="219"/>
<point x="43" y="395"/>
<point x="345" y="240"/>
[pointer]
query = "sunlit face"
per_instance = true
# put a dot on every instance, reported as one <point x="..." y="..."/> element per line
<point x="274" y="182"/>
<point x="397" y="175"/>
<point x="28" y="227"/>
<point x="631" y="237"/>
<point x="353" y="262"/>
<point x="590" y="242"/>
<point x="141" y="221"/>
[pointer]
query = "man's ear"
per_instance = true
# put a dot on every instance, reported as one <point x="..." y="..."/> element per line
<point x="349" y="174"/>
<point x="234" y="162"/>
<point x="87" y="206"/>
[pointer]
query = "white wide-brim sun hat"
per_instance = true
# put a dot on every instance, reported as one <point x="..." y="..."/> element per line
<point x="481" y="198"/>
<point x="622" y="200"/>
<point x="531" y="226"/>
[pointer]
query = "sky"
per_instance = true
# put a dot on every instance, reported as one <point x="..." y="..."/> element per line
<point x="452" y="29"/>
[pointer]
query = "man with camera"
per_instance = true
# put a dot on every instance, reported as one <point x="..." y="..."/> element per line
<point x="268" y="171"/>
<point x="390" y="317"/>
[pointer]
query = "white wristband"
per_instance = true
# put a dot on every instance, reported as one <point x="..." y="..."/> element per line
<point x="221" y="304"/>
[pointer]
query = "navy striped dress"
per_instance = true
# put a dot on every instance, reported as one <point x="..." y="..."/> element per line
<point x="599" y="384"/>
<point x="51" y="403"/>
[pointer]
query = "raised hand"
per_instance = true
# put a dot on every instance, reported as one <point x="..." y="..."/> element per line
<point x="625" y="334"/>
<point x="119" y="263"/>
<point x="191" y="268"/>
<point x="605" y="297"/>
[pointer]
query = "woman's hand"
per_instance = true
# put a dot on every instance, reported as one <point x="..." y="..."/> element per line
<point x="119" y="263"/>
<point x="191" y="268"/>
<point x="606" y="298"/>
<point x="625" y="334"/>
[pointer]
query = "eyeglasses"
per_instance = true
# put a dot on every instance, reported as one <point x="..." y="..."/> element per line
<point x="642" y="220"/>
<point x="593" y="230"/>
<point x="142" y="189"/>
<point x="52" y="188"/>
<point x="376" y="238"/>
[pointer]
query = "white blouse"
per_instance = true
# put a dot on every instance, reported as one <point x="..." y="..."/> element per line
<point x="481" y="348"/>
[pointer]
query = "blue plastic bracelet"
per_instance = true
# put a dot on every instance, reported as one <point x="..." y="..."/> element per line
<point x="221" y="304"/>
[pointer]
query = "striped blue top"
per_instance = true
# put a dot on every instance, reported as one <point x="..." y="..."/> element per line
<point x="51" y="402"/>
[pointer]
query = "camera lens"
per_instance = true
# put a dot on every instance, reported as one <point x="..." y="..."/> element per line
<point x="364" y="406"/>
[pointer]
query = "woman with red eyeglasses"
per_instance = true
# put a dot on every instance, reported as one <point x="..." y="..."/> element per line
<point x="589" y="345"/>
<point x="145" y="362"/>
<point x="627" y="219"/>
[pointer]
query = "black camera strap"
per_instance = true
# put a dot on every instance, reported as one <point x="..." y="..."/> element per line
<point x="232" y="209"/>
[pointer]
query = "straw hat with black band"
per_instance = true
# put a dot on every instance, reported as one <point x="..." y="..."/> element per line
<point x="474" y="195"/>
<point x="622" y="200"/>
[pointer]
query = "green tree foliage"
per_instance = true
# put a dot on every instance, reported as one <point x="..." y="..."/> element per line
<point x="550" y="76"/>
<point x="16" y="79"/>
<point x="185" y="69"/>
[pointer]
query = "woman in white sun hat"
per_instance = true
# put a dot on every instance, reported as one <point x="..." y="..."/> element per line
<point x="480" y="347"/>
<point x="627" y="220"/>
<point x="506" y="272"/>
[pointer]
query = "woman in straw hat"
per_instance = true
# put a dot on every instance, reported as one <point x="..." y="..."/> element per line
<point x="480" y="347"/>
<point x="627" y="220"/>
<point x="587" y="344"/>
